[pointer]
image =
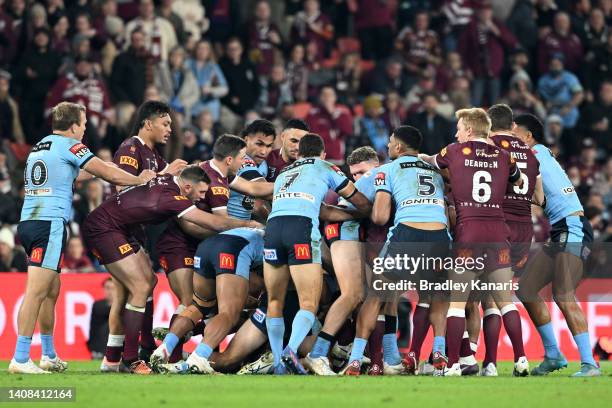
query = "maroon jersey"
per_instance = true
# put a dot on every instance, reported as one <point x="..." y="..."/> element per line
<point x="275" y="164"/>
<point x="479" y="174"/>
<point x="517" y="203"/>
<point x="134" y="156"/>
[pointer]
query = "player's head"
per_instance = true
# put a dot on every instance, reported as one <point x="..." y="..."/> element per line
<point x="259" y="137"/>
<point x="193" y="182"/>
<point x="153" y="121"/>
<point x="294" y="130"/>
<point x="311" y="145"/>
<point x="362" y="160"/>
<point x="529" y="129"/>
<point x="473" y="123"/>
<point x="69" y="120"/>
<point x="404" y="139"/>
<point x="501" y="117"/>
<point x="230" y="150"/>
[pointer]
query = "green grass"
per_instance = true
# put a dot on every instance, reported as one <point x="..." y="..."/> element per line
<point x="227" y="391"/>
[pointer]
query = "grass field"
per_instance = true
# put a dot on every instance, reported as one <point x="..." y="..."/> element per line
<point x="122" y="390"/>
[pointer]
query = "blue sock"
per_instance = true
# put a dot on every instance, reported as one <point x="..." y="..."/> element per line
<point x="276" y="330"/>
<point x="22" y="349"/>
<point x="584" y="348"/>
<point x="203" y="350"/>
<point x="47" y="345"/>
<point x="551" y="348"/>
<point x="391" y="354"/>
<point x="302" y="323"/>
<point x="439" y="344"/>
<point x="171" y="340"/>
<point x="358" y="349"/>
<point x="321" y="346"/>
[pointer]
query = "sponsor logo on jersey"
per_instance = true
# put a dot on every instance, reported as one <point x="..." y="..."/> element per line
<point x="259" y="316"/>
<point x="302" y="251"/>
<point x="124" y="249"/>
<point x="79" y="150"/>
<point x="133" y="149"/>
<point x="337" y="170"/>
<point x="466" y="151"/>
<point x="270" y="255"/>
<point x="482" y="153"/>
<point x="180" y="197"/>
<point x="226" y="261"/>
<point x="422" y="201"/>
<point x="37" y="255"/>
<point x="216" y="190"/>
<point x="503" y="256"/>
<point x="188" y="261"/>
<point x="505" y="144"/>
<point x="380" y="179"/>
<point x="130" y="161"/>
<point x="163" y="262"/>
<point x="568" y="190"/>
<point x="443" y="152"/>
<point x="301" y="196"/>
<point x="196" y="261"/>
<point x="42" y="146"/>
<point x="39" y="192"/>
<point x="331" y="231"/>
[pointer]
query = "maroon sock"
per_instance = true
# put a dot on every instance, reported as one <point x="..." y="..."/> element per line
<point x="455" y="326"/>
<point x="466" y="350"/>
<point x="375" y="343"/>
<point x="177" y="353"/>
<point x="146" y="338"/>
<point x="491" y="327"/>
<point x="346" y="334"/>
<point x="132" y="326"/>
<point x="512" y="323"/>
<point x="113" y="353"/>
<point x="198" y="330"/>
<point x="420" y="324"/>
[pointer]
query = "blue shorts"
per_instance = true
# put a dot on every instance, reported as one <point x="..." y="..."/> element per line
<point x="573" y="234"/>
<point x="44" y="242"/>
<point x="344" y="231"/>
<point x="292" y="240"/>
<point x="221" y="254"/>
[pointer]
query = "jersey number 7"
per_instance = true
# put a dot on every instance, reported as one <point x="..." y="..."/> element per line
<point x="289" y="180"/>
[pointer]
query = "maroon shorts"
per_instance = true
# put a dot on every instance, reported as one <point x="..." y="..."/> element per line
<point x="108" y="244"/>
<point x="521" y="235"/>
<point x="487" y="240"/>
<point x="175" y="251"/>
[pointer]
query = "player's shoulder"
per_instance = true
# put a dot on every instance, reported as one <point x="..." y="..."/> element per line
<point x="451" y="149"/>
<point x="329" y="167"/>
<point x="248" y="162"/>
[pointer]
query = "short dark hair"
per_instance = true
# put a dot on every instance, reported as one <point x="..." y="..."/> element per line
<point x="151" y="110"/>
<point x="361" y="154"/>
<point x="501" y="117"/>
<point x="227" y="146"/>
<point x="532" y="124"/>
<point x="66" y="114"/>
<point x="259" y="126"/>
<point x="311" y="145"/>
<point x="297" y="124"/>
<point x="195" y="174"/>
<point x="409" y="135"/>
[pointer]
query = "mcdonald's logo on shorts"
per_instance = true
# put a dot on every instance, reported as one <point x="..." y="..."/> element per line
<point x="302" y="251"/>
<point x="125" y="248"/>
<point x="37" y="255"/>
<point x="226" y="261"/>
<point x="331" y="231"/>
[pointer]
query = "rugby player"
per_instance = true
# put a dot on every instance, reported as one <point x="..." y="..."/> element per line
<point x="290" y="137"/>
<point x="416" y="190"/>
<point x="107" y="233"/>
<point x="292" y="244"/>
<point x="135" y="154"/>
<point x="560" y="261"/>
<point x="348" y="258"/>
<point x="51" y="169"/>
<point x="481" y="231"/>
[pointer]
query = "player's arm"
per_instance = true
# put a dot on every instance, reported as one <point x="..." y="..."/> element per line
<point x="255" y="188"/>
<point x="427" y="158"/>
<point x="381" y="210"/>
<point x="216" y="222"/>
<point x="114" y="175"/>
<point x="538" y="193"/>
<point x="195" y="230"/>
<point x="331" y="213"/>
<point x="175" y="167"/>
<point x="355" y="197"/>
<point x="515" y="174"/>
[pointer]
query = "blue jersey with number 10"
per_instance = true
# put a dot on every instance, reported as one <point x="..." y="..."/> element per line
<point x="301" y="187"/>
<point x="51" y="169"/>
<point x="416" y="187"/>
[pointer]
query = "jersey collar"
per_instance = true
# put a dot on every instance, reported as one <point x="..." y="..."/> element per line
<point x="215" y="168"/>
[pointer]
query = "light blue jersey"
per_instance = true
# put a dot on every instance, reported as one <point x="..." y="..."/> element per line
<point x="416" y="187"/>
<point x="51" y="169"/>
<point x="239" y="205"/>
<point x="301" y="187"/>
<point x="349" y="230"/>
<point x="561" y="197"/>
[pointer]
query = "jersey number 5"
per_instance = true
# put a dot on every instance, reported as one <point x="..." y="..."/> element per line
<point x="426" y="185"/>
<point x="525" y="186"/>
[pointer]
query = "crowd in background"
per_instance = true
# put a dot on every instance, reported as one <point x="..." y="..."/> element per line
<point x="352" y="69"/>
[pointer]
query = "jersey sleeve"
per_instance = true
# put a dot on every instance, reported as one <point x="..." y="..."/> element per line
<point x="126" y="159"/>
<point x="515" y="172"/>
<point x="77" y="153"/>
<point x="249" y="171"/>
<point x="217" y="197"/>
<point x="174" y="204"/>
<point x="442" y="159"/>
<point x="336" y="178"/>
<point x="382" y="180"/>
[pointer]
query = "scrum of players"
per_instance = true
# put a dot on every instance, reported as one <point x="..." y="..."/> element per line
<point x="252" y="248"/>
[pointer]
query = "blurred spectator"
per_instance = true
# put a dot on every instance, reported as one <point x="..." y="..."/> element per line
<point x="458" y="14"/>
<point x="521" y="97"/>
<point x="275" y="92"/>
<point x="451" y="69"/>
<point x="10" y="123"/>
<point x="419" y="45"/>
<point x="176" y="82"/>
<point x="394" y="113"/>
<point x="373" y="22"/>
<point x="36" y="73"/>
<point x="61" y="41"/>
<point x="560" y="40"/>
<point x="561" y="91"/>
<point x="436" y="130"/>
<point x="98" y="322"/>
<point x="297" y="73"/>
<point x="194" y="150"/>
<point x="348" y="78"/>
<point x="391" y="78"/>
<point x="263" y="39"/>
<point x="459" y="93"/>
<point x="332" y="122"/>
<point x="84" y="26"/>
<point x="207" y="130"/>
<point x="12" y="259"/>
<point x="159" y="34"/>
<point x="5" y="176"/>
<point x="131" y="71"/>
<point x="594" y="32"/>
<point x="522" y="24"/>
<point x="166" y="9"/>
<point x="599" y="68"/>
<point x="241" y="76"/>
<point x="587" y="164"/>
<point x="482" y="46"/>
<point x="312" y="25"/>
<point x="371" y="128"/>
<point x="414" y="98"/>
<point x="7" y="36"/>
<point x="210" y="79"/>
<point x="75" y="259"/>
<point x="94" y="194"/>
<point x="596" y="118"/>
